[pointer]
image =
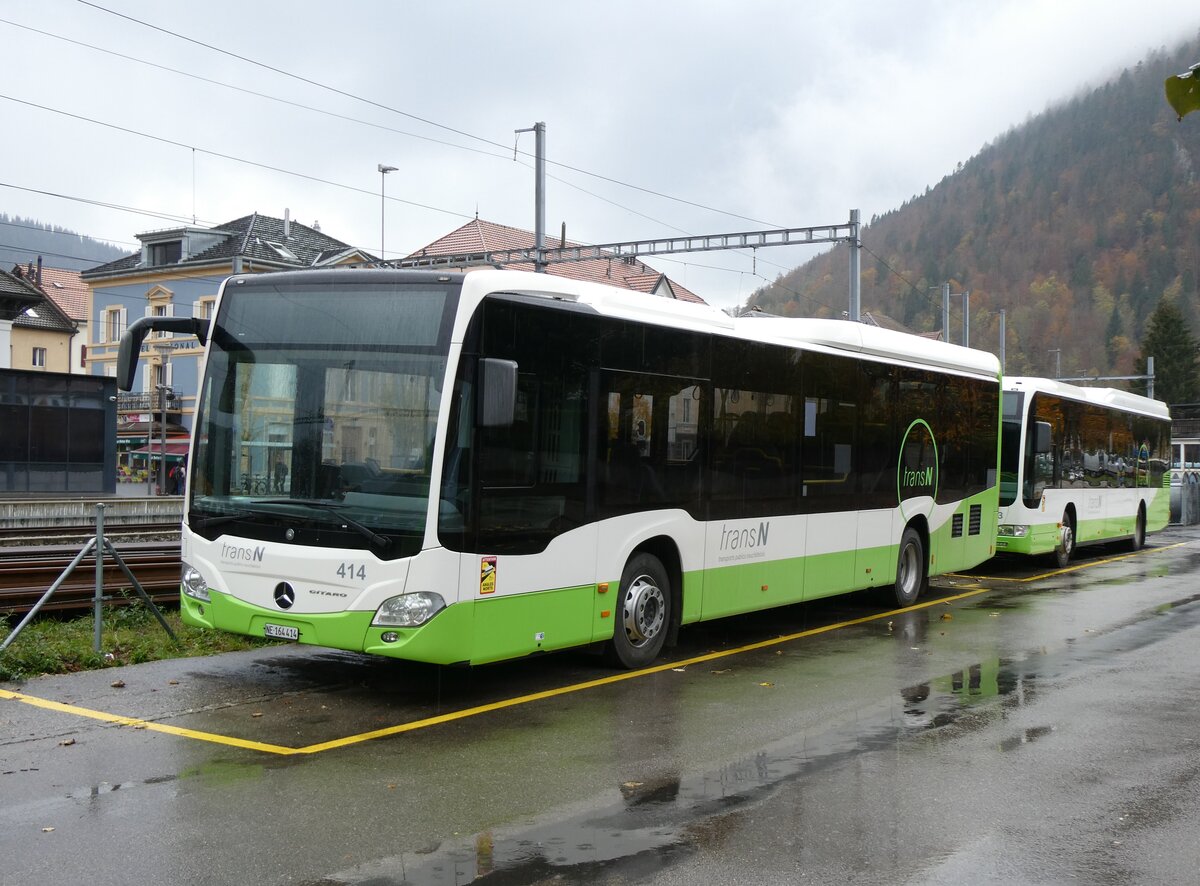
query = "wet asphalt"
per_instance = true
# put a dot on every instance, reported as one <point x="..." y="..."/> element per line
<point x="1027" y="726"/>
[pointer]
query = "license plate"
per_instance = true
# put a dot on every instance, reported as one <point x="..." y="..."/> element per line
<point x="281" y="632"/>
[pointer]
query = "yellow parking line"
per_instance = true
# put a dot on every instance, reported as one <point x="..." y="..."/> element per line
<point x="1074" y="568"/>
<point x="264" y="747"/>
<point x="538" y="696"/>
<point x="135" y="723"/>
<point x="627" y="675"/>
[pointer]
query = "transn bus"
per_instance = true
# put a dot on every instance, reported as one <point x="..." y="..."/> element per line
<point x="471" y="467"/>
<point x="1080" y="466"/>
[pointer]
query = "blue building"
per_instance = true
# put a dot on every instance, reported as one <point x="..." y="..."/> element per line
<point x="177" y="273"/>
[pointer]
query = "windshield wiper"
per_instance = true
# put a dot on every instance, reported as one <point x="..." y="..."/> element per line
<point x="218" y="519"/>
<point x="365" y="531"/>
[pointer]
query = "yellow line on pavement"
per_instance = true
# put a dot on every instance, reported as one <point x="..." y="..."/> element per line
<point x="627" y="675"/>
<point x="466" y="713"/>
<point x="215" y="738"/>
<point x="148" y="725"/>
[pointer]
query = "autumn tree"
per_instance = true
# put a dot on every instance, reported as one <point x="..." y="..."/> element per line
<point x="1171" y="343"/>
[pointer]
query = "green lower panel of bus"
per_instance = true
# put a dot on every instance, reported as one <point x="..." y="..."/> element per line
<point x="1043" y="538"/>
<point x="476" y="631"/>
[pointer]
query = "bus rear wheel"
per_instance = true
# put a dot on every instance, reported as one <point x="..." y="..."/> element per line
<point x="1139" y="531"/>
<point x="910" y="568"/>
<point x="643" y="613"/>
<point x="1066" y="542"/>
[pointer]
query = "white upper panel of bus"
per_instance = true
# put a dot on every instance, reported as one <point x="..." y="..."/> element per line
<point x="830" y="336"/>
<point x="1109" y="397"/>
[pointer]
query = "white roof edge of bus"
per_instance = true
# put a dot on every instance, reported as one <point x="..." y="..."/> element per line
<point x="887" y="344"/>
<point x="835" y="335"/>
<point x="1100" y="396"/>
<point x="612" y="301"/>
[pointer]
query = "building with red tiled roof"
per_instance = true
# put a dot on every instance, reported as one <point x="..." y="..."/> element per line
<point x="478" y="236"/>
<point x="67" y="313"/>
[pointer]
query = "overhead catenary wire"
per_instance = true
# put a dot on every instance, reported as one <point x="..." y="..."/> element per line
<point x="223" y="156"/>
<point x="368" y="101"/>
<point x="347" y="118"/>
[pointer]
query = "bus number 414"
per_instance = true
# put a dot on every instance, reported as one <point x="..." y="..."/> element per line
<point x="352" y="570"/>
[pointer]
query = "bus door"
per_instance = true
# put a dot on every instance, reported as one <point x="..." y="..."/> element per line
<point x="646" y="457"/>
<point x="829" y="487"/>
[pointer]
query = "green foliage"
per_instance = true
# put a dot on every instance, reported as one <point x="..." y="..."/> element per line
<point x="130" y="635"/>
<point x="1171" y="343"/>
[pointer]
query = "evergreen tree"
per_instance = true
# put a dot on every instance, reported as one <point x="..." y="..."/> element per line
<point x="1113" y="330"/>
<point x="1171" y="343"/>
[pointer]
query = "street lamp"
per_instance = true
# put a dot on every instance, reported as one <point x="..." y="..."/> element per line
<point x="383" y="171"/>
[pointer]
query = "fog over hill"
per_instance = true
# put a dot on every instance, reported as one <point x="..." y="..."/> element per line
<point x="1076" y="224"/>
<point x="22" y="240"/>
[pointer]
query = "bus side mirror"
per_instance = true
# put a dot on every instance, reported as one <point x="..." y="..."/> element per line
<point x="1041" y="443"/>
<point x="497" y="392"/>
<point x="131" y="341"/>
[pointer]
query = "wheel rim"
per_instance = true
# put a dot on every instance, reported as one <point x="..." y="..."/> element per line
<point x="1068" y="536"/>
<point x="909" y="570"/>
<point x="644" y="611"/>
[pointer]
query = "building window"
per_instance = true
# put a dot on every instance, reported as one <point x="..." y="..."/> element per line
<point x="159" y="300"/>
<point x="204" y="307"/>
<point x="165" y="253"/>
<point x="39" y="357"/>
<point x="114" y="324"/>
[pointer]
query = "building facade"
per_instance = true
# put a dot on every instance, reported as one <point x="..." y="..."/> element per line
<point x="177" y="273"/>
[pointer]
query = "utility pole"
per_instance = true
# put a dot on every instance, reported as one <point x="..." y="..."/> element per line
<point x="1057" y="352"/>
<point x="855" y="268"/>
<point x="383" y="171"/>
<point x="539" y="195"/>
<point x="1003" y="337"/>
<point x="967" y="318"/>
<point x="946" y="312"/>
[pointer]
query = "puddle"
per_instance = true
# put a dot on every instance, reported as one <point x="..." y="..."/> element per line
<point x="641" y="828"/>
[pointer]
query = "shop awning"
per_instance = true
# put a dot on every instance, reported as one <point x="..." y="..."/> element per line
<point x="175" y="450"/>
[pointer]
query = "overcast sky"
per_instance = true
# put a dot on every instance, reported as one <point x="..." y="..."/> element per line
<point x="662" y="118"/>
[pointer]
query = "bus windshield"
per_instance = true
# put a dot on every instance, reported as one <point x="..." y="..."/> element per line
<point x="318" y="411"/>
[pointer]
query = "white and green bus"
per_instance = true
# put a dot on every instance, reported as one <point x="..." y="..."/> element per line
<point x="1080" y="466"/>
<point x="470" y="467"/>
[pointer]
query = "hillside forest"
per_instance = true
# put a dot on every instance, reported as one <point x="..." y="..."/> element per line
<point x="22" y="240"/>
<point x="1077" y="224"/>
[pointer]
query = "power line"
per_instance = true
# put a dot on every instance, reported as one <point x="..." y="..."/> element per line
<point x="149" y="213"/>
<point x="255" y="93"/>
<point x="230" y="157"/>
<point x="923" y="293"/>
<point x="411" y="116"/>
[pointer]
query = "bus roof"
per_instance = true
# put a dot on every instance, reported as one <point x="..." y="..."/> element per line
<point x="1107" y="397"/>
<point x="824" y="335"/>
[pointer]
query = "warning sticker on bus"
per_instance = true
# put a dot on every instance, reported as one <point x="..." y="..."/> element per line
<point x="487" y="575"/>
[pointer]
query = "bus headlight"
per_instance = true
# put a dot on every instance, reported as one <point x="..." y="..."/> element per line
<point x="194" y="584"/>
<point x="409" y="610"/>
<point x="1015" y="531"/>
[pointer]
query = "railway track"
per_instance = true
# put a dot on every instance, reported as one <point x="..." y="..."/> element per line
<point x="40" y="536"/>
<point x="26" y="573"/>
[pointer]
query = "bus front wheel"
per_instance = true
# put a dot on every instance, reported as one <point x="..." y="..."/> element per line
<point x="643" y="613"/>
<point x="910" y="568"/>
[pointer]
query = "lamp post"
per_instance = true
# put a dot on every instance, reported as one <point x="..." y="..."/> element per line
<point x="383" y="171"/>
